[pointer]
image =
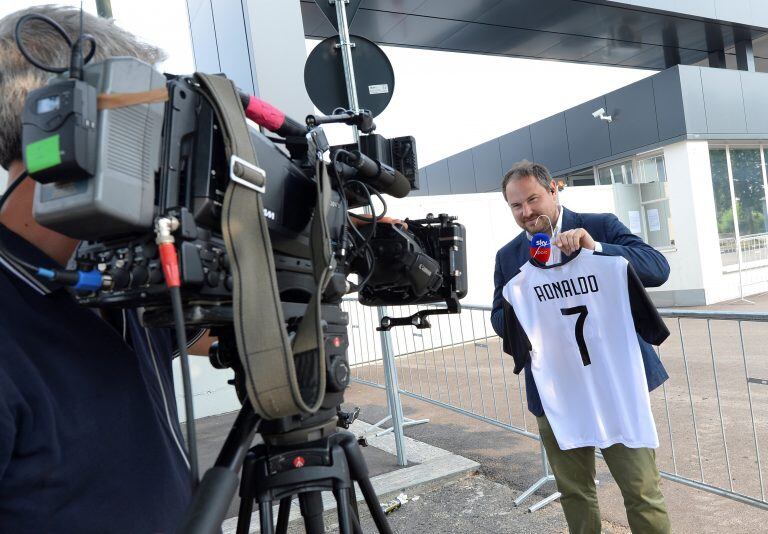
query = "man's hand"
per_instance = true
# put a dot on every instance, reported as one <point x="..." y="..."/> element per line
<point x="572" y="240"/>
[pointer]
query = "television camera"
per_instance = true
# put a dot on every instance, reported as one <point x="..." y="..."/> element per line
<point x="188" y="210"/>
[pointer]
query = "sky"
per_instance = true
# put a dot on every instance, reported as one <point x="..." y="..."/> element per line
<point x="448" y="101"/>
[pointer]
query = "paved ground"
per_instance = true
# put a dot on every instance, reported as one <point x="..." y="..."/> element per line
<point x="513" y="462"/>
<point x="471" y="504"/>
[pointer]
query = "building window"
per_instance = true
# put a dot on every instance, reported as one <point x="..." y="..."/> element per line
<point x="723" y="208"/>
<point x="652" y="170"/>
<point x="750" y="193"/>
<point x="654" y="201"/>
<point x="582" y="178"/>
<point x="738" y="180"/>
<point x="617" y="173"/>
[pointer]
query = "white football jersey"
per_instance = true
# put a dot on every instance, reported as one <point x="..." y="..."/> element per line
<point x="578" y="322"/>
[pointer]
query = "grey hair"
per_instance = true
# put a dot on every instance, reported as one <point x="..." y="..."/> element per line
<point x="524" y="168"/>
<point x="18" y="76"/>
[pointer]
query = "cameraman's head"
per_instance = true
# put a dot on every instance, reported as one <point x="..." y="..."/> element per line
<point x="18" y="77"/>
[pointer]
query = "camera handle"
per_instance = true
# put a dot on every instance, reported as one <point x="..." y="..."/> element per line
<point x="419" y="319"/>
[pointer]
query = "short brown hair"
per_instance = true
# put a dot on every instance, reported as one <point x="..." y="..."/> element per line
<point x="524" y="168"/>
<point x="18" y="76"/>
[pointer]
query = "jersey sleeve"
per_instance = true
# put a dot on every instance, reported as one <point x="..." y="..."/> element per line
<point x="516" y="342"/>
<point x="648" y="322"/>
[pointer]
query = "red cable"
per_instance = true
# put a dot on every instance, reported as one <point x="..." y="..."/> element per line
<point x="170" y="262"/>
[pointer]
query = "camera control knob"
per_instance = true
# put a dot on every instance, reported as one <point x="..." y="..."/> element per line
<point x="155" y="274"/>
<point x="120" y="278"/>
<point x="150" y="251"/>
<point x="140" y="275"/>
<point x="338" y="374"/>
<point x="212" y="278"/>
<point x="217" y="356"/>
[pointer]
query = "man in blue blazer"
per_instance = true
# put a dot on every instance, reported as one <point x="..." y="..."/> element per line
<point x="531" y="194"/>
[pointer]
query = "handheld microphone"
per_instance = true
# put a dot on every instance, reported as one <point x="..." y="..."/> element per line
<point x="541" y="247"/>
<point x="271" y="118"/>
<point x="382" y="177"/>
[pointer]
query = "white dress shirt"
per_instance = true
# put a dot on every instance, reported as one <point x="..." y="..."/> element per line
<point x="555" y="255"/>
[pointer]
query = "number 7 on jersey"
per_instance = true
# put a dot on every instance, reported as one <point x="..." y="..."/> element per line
<point x="582" y="312"/>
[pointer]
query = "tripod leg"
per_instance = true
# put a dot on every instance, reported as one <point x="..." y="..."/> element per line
<point x="356" y="524"/>
<point x="265" y="516"/>
<point x="354" y="513"/>
<point x="283" y="514"/>
<point x="373" y="505"/>
<point x="359" y="472"/>
<point x="311" y="505"/>
<point x="342" y="503"/>
<point x="244" y="516"/>
<point x="246" y="495"/>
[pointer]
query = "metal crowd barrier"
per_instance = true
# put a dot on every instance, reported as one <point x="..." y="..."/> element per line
<point x="711" y="415"/>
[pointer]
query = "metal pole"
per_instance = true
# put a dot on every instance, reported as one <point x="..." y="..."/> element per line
<point x="393" y="392"/>
<point x="390" y="372"/>
<point x="346" y="58"/>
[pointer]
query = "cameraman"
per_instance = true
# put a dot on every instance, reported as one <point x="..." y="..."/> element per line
<point x="89" y="434"/>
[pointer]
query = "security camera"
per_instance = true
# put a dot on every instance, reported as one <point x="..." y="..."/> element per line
<point x="600" y="114"/>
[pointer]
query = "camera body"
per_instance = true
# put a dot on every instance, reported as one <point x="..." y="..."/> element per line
<point x="167" y="158"/>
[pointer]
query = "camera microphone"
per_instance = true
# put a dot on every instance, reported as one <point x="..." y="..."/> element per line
<point x="270" y="117"/>
<point x="382" y="177"/>
<point x="541" y="247"/>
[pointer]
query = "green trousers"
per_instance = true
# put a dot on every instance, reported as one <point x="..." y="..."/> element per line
<point x="635" y="473"/>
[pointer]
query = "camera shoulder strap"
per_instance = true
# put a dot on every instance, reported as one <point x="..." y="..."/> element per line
<point x="262" y="340"/>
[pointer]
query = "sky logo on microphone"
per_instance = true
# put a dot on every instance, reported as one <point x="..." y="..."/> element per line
<point x="541" y="247"/>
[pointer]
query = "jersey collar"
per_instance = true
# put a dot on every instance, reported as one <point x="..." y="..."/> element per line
<point x="582" y="251"/>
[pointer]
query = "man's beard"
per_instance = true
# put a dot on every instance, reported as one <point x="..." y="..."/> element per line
<point x="540" y="224"/>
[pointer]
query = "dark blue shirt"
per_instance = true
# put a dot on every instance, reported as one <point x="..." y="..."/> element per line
<point x="89" y="434"/>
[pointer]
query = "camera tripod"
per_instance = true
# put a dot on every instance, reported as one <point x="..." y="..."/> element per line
<point x="278" y="473"/>
<point x="283" y="467"/>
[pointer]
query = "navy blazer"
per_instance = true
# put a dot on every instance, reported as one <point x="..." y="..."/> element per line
<point x="616" y="239"/>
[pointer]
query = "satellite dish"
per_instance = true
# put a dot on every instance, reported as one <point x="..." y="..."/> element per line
<point x="324" y="76"/>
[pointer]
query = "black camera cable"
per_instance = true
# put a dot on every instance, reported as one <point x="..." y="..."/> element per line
<point x="365" y="244"/>
<point x="76" y="61"/>
<point x="373" y="219"/>
<point x="169" y="259"/>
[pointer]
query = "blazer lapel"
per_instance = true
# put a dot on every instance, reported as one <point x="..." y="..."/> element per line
<point x="523" y="249"/>
<point x="571" y="220"/>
